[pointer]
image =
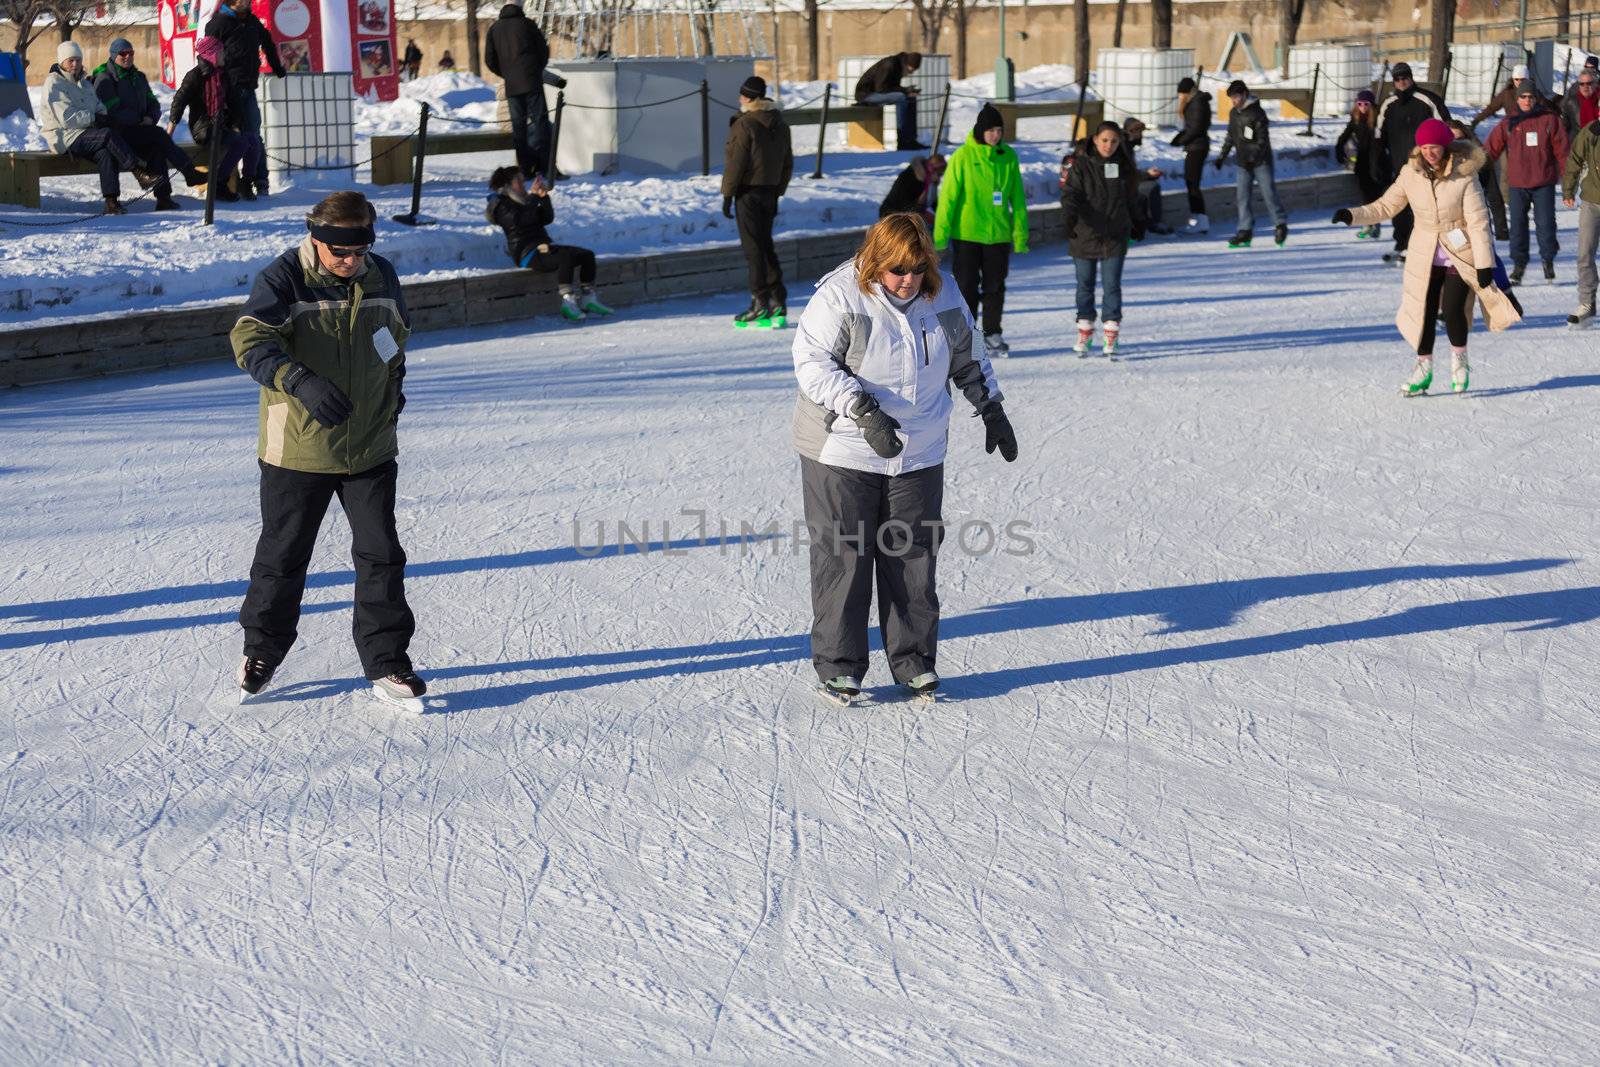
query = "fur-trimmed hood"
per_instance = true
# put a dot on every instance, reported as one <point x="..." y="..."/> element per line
<point x="1464" y="158"/>
<point x="757" y="105"/>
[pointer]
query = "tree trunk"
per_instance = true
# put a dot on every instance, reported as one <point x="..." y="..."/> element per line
<point x="1161" y="23"/>
<point x="1289" y="28"/>
<point x="1563" y="18"/>
<point x="1439" y="38"/>
<point x="811" y="40"/>
<point x="25" y="37"/>
<point x="1116" y="31"/>
<point x="474" y="61"/>
<point x="961" y="38"/>
<point x="1081" y="50"/>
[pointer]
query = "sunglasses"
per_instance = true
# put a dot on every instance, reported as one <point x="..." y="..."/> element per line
<point x="347" y="253"/>
<point x="906" y="272"/>
<point x="119" y="55"/>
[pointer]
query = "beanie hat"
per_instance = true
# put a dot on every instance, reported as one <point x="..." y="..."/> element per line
<point x="1434" y="131"/>
<point x="1132" y="127"/>
<point x="988" y="119"/>
<point x="1592" y="62"/>
<point x="1399" y="70"/>
<point x="753" y="87"/>
<point x="121" y="44"/>
<point x="1238" y="88"/>
<point x="1519" y="72"/>
<point x="68" y="50"/>
<point x="1186" y="85"/>
<point x="1365" y="97"/>
<point x="1525" y="87"/>
<point x="209" y="49"/>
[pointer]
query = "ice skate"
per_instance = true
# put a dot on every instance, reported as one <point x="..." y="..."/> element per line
<point x="1241" y="239"/>
<point x="1113" y="334"/>
<point x="995" y="347"/>
<point x="843" y="690"/>
<point x="1517" y="271"/>
<point x="750" y="316"/>
<point x="1421" y="378"/>
<point x="254" y="676"/>
<point x="1582" y="318"/>
<point x="402" y="689"/>
<point x="1280" y="234"/>
<point x="1394" y="259"/>
<point x="1085" y="338"/>
<point x="923" y="687"/>
<point x="1550" y="273"/>
<point x="1460" y="372"/>
<point x="570" y="308"/>
<point x="773" y="318"/>
<point x="589" y="301"/>
<point x="1197" y="226"/>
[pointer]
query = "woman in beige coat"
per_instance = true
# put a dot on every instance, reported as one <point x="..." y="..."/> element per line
<point x="1450" y="258"/>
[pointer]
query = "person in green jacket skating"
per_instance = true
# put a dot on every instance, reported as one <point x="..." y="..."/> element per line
<point x="983" y="217"/>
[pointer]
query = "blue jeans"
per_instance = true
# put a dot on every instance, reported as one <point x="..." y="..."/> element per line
<point x="905" y="109"/>
<point x="250" y="123"/>
<point x="1110" y="270"/>
<point x="1244" y="180"/>
<point x="1543" y="202"/>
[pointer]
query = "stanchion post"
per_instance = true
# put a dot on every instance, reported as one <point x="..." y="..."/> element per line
<point x="705" y="127"/>
<point x="1311" y="111"/>
<point x="1494" y="84"/>
<point x="414" y="218"/>
<point x="555" y="137"/>
<point x="938" y="131"/>
<point x="211" y="173"/>
<point x="822" y="128"/>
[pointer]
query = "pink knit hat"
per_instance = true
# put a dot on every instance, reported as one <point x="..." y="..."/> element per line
<point x="209" y="49"/>
<point x="1434" y="131"/>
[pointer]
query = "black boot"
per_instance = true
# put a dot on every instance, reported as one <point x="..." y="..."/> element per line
<point x="114" y="206"/>
<point x="147" y="178"/>
<point x="755" y="311"/>
<point x="164" y="201"/>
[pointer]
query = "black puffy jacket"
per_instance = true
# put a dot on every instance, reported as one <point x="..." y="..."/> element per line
<point x="516" y="50"/>
<point x="523" y="221"/>
<point x="1100" y="203"/>
<point x="244" y="39"/>
<point x="1196" y="133"/>
<point x="1249" y="135"/>
<point x="191" y="97"/>
<point x="1398" y="118"/>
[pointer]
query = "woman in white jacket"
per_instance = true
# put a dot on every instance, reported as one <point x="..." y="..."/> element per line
<point x="876" y="351"/>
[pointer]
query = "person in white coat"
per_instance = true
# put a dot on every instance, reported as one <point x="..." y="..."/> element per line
<point x="74" y="122"/>
<point x="878" y="348"/>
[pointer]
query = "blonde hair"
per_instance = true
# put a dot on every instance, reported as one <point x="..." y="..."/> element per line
<point x="898" y="240"/>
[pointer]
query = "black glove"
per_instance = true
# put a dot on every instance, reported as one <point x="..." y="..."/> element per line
<point x="321" y="397"/>
<point x="877" y="428"/>
<point x="1485" y="277"/>
<point x="727" y="207"/>
<point x="1176" y="138"/>
<point x="1071" y="223"/>
<point x="1219" y="162"/>
<point x="1138" y="233"/>
<point x="399" y="406"/>
<point x="1342" y="217"/>
<point x="560" y="83"/>
<point x="997" y="433"/>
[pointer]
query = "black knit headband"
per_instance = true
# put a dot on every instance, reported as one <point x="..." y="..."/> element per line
<point x="342" y="236"/>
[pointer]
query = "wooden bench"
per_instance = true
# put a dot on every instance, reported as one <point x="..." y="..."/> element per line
<point x="393" y="160"/>
<point x="20" y="172"/>
<point x="1012" y="110"/>
<point x="865" y="121"/>
<point x="1296" y="102"/>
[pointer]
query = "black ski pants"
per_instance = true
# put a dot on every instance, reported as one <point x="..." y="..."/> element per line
<point x="865" y="526"/>
<point x="562" y="261"/>
<point x="293" y="504"/>
<point x="756" y="210"/>
<point x="1449" y="293"/>
<point x="531" y="131"/>
<point x="106" y="150"/>
<point x="154" y="145"/>
<point x="1194" y="167"/>
<point x="980" y="272"/>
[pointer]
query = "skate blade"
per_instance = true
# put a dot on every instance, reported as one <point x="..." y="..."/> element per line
<point x="409" y="704"/>
<point x="244" y="696"/>
<point x="841" y="700"/>
<point x="1410" y="394"/>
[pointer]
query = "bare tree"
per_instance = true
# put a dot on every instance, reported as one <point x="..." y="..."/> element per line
<point x="931" y="15"/>
<point x="1116" y="32"/>
<point x="1289" y="15"/>
<point x="69" y="14"/>
<point x="1161" y="23"/>
<point x="24" y="16"/>
<point x="1563" y="18"/>
<point x="1080" y="10"/>
<point x="1443" y="28"/>
<point x="474" y="61"/>
<point x="961" y="38"/>
<point x="811" y="40"/>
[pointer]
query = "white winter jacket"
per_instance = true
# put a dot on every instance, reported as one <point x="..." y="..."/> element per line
<point x="850" y="342"/>
<point x="69" y="109"/>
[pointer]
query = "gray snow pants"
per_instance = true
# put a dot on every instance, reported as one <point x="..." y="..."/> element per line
<point x="1588" y="238"/>
<point x="862" y="526"/>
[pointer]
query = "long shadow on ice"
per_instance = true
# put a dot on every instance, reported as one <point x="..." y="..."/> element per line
<point x="1566" y="381"/>
<point x="116" y="603"/>
<point x="1189" y="608"/>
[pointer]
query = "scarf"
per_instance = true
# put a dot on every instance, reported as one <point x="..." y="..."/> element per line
<point x="1588" y="108"/>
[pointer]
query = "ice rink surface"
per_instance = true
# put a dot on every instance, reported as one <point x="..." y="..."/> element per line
<point x="1279" y="746"/>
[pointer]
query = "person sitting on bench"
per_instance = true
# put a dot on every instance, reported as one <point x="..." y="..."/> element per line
<point x="135" y="116"/>
<point x="74" y="123"/>
<point x="523" y="212"/>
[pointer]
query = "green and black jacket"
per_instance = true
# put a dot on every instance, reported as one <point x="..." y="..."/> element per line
<point x="126" y="95"/>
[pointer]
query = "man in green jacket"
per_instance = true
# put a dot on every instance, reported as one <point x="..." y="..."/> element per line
<point x="983" y="214"/>
<point x="324" y="334"/>
<point x="1585" y="155"/>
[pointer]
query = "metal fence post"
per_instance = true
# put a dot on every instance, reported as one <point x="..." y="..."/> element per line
<point x="822" y="128"/>
<point x="1311" y="112"/>
<point x="552" y="170"/>
<point x="705" y="127"/>
<point x="413" y="218"/>
<point x="211" y="169"/>
<point x="938" y="131"/>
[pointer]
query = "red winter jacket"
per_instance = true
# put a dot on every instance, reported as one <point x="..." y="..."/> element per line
<point x="1530" y="165"/>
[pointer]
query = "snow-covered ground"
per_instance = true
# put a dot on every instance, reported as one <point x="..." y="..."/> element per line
<point x="1281" y="745"/>
<point x="109" y="266"/>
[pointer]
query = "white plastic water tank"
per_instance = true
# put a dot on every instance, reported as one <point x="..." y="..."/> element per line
<point x="1346" y="69"/>
<point x="1478" y="70"/>
<point x="308" y="121"/>
<point x="929" y="79"/>
<point x="1141" y="82"/>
